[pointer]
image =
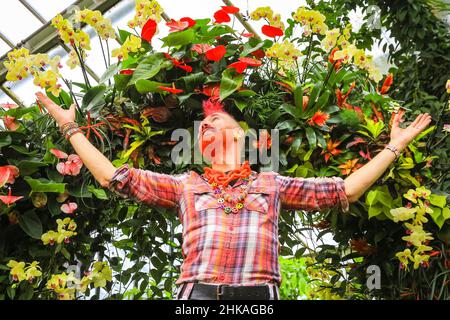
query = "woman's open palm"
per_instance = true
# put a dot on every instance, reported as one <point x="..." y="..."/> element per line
<point x="60" y="115"/>
<point x="407" y="134"/>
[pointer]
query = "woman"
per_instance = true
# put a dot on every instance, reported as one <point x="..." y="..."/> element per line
<point x="230" y="213"/>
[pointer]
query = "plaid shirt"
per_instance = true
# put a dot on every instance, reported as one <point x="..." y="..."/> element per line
<point x="230" y="248"/>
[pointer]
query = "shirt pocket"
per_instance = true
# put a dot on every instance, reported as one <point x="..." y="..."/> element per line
<point x="258" y="199"/>
<point x="204" y="198"/>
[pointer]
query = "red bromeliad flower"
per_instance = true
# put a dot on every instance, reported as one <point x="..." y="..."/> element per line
<point x="319" y="118"/>
<point x="182" y="24"/>
<point x="71" y="167"/>
<point x="342" y="98"/>
<point x="251" y="62"/>
<point x="59" y="154"/>
<point x="272" y="31"/>
<point x="69" y="207"/>
<point x="9" y="199"/>
<point x="149" y="30"/>
<point x="331" y="149"/>
<point x="10" y="123"/>
<point x="239" y="66"/>
<point x="127" y="71"/>
<point x="217" y="53"/>
<point x="201" y="48"/>
<point x="332" y="60"/>
<point x="387" y="83"/>
<point x="171" y="89"/>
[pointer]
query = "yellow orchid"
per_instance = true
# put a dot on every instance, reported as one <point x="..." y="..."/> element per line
<point x="404" y="257"/>
<point x="285" y="52"/>
<point x="403" y="214"/>
<point x="423" y="192"/>
<point x="262" y="13"/>
<point x="65" y="29"/>
<point x="96" y="20"/>
<point x="331" y="38"/>
<point x="82" y="40"/>
<point x="313" y="21"/>
<point x="411" y="195"/>
<point x="59" y="284"/>
<point x="48" y="80"/>
<point x="417" y="235"/>
<point x="49" y="237"/>
<point x="420" y="259"/>
<point x="146" y="9"/>
<point x="447" y="86"/>
<point x="17" y="270"/>
<point x="65" y="231"/>
<point x="131" y="44"/>
<point x="33" y="271"/>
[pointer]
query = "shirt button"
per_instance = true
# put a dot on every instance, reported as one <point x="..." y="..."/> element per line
<point x="221" y="277"/>
<point x="231" y="228"/>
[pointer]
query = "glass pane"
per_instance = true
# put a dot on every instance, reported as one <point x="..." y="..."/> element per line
<point x="49" y="8"/>
<point x="16" y="22"/>
<point x="4" y="48"/>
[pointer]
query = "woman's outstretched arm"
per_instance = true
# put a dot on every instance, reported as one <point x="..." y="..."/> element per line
<point x="101" y="168"/>
<point x="359" y="181"/>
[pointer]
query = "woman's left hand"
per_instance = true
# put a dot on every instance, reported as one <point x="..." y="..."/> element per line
<point x="402" y="137"/>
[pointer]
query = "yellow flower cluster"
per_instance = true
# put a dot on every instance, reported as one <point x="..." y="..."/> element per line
<point x="417" y="236"/>
<point x="146" y="9"/>
<point x="66" y="285"/>
<point x="334" y="37"/>
<point x="96" y="20"/>
<point x="21" y="63"/>
<point x="66" y="229"/>
<point x="267" y="14"/>
<point x="311" y="20"/>
<point x="19" y="272"/>
<point x="77" y="38"/>
<point x="131" y="44"/>
<point x="285" y="52"/>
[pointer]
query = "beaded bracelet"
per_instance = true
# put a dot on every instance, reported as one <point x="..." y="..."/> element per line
<point x="394" y="149"/>
<point x="68" y="129"/>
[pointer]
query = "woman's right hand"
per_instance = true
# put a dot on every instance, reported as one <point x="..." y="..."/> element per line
<point x="60" y="115"/>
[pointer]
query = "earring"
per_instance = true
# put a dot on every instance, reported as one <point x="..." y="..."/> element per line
<point x="237" y="136"/>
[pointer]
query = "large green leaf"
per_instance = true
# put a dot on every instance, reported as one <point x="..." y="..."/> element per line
<point x="231" y="81"/>
<point x="44" y="185"/>
<point x="110" y="72"/>
<point x="28" y="167"/>
<point x="94" y="98"/>
<point x="311" y="136"/>
<point x="31" y="224"/>
<point x="179" y="38"/>
<point x="147" y="68"/>
<point x="144" y="86"/>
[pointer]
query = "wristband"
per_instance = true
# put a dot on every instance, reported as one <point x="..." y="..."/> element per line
<point x="394" y="149"/>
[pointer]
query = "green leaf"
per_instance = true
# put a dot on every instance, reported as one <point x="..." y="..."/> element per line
<point x="99" y="193"/>
<point x="231" y="81"/>
<point x="109" y="73"/>
<point x="147" y="68"/>
<point x="294" y="111"/>
<point x="121" y="81"/>
<point x="298" y="99"/>
<point x="311" y="136"/>
<point x="5" y="140"/>
<point x="31" y="224"/>
<point x="179" y="38"/>
<point x="94" y="98"/>
<point x="144" y="86"/>
<point x="438" y="200"/>
<point x="27" y="167"/>
<point x="44" y="185"/>
<point x="193" y="80"/>
<point x="375" y="211"/>
<point x="437" y="216"/>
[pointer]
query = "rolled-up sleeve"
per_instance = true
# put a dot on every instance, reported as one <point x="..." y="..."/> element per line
<point x="312" y="194"/>
<point x="151" y="188"/>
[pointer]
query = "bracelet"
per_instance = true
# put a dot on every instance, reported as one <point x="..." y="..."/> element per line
<point x="68" y="125"/>
<point x="394" y="149"/>
<point x="69" y="129"/>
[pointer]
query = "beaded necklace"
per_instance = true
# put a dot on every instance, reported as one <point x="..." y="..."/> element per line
<point x="219" y="181"/>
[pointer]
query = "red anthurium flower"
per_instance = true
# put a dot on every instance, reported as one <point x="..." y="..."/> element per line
<point x="8" y="105"/>
<point x="171" y="89"/>
<point x="149" y="30"/>
<point x="181" y="25"/>
<point x="201" y="47"/>
<point x="239" y="66"/>
<point x="10" y="123"/>
<point x="69" y="207"/>
<point x="258" y="54"/>
<point x="251" y="62"/>
<point x="177" y="63"/>
<point x="387" y="83"/>
<point x="248" y="34"/>
<point x="221" y="16"/>
<point x="319" y="118"/>
<point x="211" y="90"/>
<point x="230" y="9"/>
<point x="9" y="199"/>
<point x="9" y="172"/>
<point x="127" y="71"/>
<point x="272" y="31"/>
<point x="216" y="53"/>
<point x="59" y="154"/>
<point x="71" y="167"/>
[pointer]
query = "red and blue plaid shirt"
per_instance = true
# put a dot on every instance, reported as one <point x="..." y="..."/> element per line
<point x="240" y="248"/>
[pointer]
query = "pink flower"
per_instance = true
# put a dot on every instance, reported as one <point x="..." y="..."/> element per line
<point x="69" y="207"/>
<point x="71" y="167"/>
<point x="8" y="174"/>
<point x="9" y="198"/>
<point x="59" y="154"/>
<point x="201" y="47"/>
